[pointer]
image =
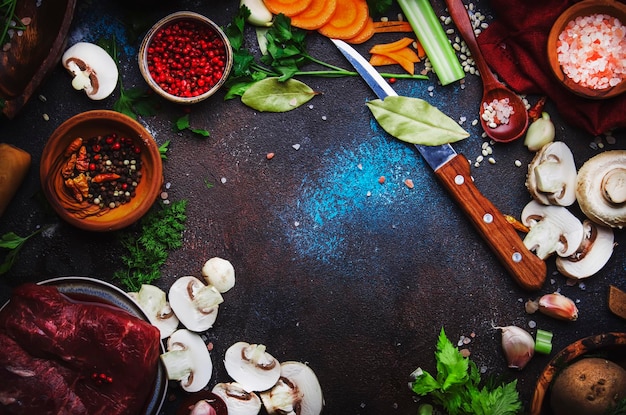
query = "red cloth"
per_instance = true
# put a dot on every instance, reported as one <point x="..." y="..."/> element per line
<point x="514" y="46"/>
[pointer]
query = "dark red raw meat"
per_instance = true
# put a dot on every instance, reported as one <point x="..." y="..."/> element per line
<point x="51" y="348"/>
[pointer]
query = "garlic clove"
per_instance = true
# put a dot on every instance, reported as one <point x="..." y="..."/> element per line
<point x="518" y="346"/>
<point x="540" y="133"/>
<point x="558" y="306"/>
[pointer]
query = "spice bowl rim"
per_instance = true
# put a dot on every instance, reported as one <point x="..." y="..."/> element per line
<point x="595" y="344"/>
<point x="143" y="56"/>
<point x="584" y="8"/>
<point x="86" y="125"/>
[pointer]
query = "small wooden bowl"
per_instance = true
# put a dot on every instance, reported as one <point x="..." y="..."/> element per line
<point x="167" y="21"/>
<point x="584" y="8"/>
<point x="86" y="215"/>
<point x="611" y="346"/>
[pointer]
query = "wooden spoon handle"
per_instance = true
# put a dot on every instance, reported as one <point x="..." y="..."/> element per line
<point x="461" y="19"/>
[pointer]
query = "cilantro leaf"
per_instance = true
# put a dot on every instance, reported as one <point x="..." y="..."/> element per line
<point x="183" y="124"/>
<point x="14" y="243"/>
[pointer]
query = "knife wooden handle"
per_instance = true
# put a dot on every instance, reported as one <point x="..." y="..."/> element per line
<point x="528" y="270"/>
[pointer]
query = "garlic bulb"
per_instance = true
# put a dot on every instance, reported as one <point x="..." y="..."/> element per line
<point x="518" y="346"/>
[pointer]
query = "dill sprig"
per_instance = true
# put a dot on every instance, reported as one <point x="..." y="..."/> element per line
<point x="161" y="231"/>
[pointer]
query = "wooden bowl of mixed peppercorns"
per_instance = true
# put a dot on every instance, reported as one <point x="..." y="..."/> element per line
<point x="101" y="170"/>
<point x="185" y="57"/>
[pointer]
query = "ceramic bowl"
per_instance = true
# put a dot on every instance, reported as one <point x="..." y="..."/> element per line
<point x="584" y="8"/>
<point x="31" y="57"/>
<point x="185" y="74"/>
<point x="88" y="214"/>
<point x="611" y="346"/>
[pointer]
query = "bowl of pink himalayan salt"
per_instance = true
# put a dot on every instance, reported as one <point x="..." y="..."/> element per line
<point x="587" y="48"/>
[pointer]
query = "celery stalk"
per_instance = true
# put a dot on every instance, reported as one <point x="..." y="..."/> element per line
<point x="431" y="35"/>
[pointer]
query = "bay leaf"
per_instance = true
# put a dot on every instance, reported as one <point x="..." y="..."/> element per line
<point x="415" y="121"/>
<point x="272" y="95"/>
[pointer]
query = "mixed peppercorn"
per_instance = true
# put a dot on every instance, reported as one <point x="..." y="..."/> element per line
<point x="186" y="58"/>
<point x="103" y="170"/>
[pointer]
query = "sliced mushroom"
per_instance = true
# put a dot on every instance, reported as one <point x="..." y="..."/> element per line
<point x="238" y="401"/>
<point x="552" y="229"/>
<point x="219" y="273"/>
<point x="94" y="70"/>
<point x="551" y="178"/>
<point x="251" y="366"/>
<point x="593" y="254"/>
<point x="153" y="303"/>
<point x="297" y="392"/>
<point x="195" y="303"/>
<point x="601" y="188"/>
<point x="187" y="360"/>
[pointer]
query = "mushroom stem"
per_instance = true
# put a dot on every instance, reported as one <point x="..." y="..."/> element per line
<point x="614" y="185"/>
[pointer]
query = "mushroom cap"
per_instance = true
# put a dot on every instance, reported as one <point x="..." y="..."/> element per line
<point x="552" y="229"/>
<point x="551" y="177"/>
<point x="194" y="303"/>
<point x="152" y="301"/>
<point x="219" y="273"/>
<point x="251" y="366"/>
<point x="238" y="401"/>
<point x="194" y="359"/>
<point x="601" y="188"/>
<point x="298" y="388"/>
<point x="592" y="255"/>
<point x="95" y="63"/>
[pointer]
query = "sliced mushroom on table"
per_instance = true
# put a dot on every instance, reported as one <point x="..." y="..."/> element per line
<point x="188" y="360"/>
<point x="601" y="188"/>
<point x="553" y="229"/>
<point x="297" y="392"/>
<point x="551" y="178"/>
<point x="251" y="366"/>
<point x="238" y="400"/>
<point x="195" y="303"/>
<point x="153" y="302"/>
<point x="592" y="255"/>
<point x="92" y="68"/>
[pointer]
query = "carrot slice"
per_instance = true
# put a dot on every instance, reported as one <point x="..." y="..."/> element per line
<point x="391" y="26"/>
<point x="348" y="20"/>
<point x="406" y="63"/>
<point x="365" y="34"/>
<point x="287" y="7"/>
<point x="316" y="15"/>
<point x="391" y="47"/>
<point x="381" y="60"/>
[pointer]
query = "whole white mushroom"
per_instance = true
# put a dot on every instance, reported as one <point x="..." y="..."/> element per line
<point x="219" y="273"/>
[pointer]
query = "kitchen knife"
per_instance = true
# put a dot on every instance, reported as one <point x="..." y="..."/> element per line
<point x="453" y="170"/>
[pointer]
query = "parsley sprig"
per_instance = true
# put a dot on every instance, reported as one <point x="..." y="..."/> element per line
<point x="457" y="386"/>
<point x="161" y="231"/>
<point x="286" y="56"/>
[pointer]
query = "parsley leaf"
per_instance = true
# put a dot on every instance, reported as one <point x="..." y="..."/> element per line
<point x="161" y="231"/>
<point x="163" y="149"/>
<point x="456" y="386"/>
<point x="183" y="124"/>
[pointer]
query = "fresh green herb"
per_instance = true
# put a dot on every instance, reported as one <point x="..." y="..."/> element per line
<point x="208" y="184"/>
<point x="135" y="101"/>
<point x="619" y="409"/>
<point x="161" y="231"/>
<point x="379" y="7"/>
<point x="543" y="342"/>
<point x="432" y="37"/>
<point x="415" y="121"/>
<point x="14" y="244"/>
<point x="163" y="149"/>
<point x="272" y="95"/>
<point x="285" y="58"/>
<point x="183" y="124"/>
<point x="457" y="386"/>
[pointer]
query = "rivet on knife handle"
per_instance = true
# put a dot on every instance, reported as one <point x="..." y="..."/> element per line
<point x="527" y="268"/>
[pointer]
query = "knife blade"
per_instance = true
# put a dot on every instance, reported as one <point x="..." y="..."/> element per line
<point x="453" y="171"/>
